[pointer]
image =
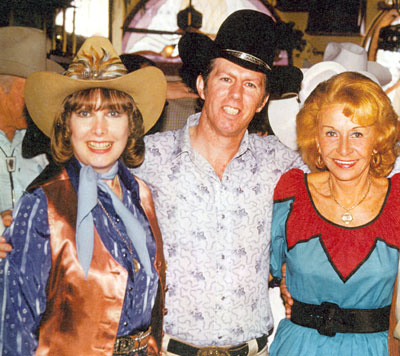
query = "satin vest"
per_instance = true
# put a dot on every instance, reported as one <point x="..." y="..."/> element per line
<point x="82" y="316"/>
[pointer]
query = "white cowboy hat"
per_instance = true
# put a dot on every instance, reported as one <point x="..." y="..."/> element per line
<point x="45" y="91"/>
<point x="338" y="58"/>
<point x="282" y="112"/>
<point x="23" y="51"/>
<point x="355" y="58"/>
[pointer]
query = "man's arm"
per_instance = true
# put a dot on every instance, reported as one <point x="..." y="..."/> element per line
<point x="284" y="157"/>
<point x="299" y="163"/>
<point x="178" y="89"/>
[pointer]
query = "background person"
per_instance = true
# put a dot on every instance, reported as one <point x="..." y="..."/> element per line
<point x="83" y="275"/>
<point x="337" y="228"/>
<point x="23" y="52"/>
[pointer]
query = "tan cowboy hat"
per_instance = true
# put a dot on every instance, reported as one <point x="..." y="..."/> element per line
<point x="45" y="91"/>
<point x="23" y="51"/>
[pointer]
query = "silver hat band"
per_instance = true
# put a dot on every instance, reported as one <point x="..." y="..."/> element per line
<point x="247" y="57"/>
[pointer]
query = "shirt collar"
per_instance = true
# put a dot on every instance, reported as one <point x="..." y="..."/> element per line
<point x="183" y="139"/>
<point x="184" y="144"/>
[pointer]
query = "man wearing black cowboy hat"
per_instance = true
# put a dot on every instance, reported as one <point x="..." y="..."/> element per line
<point x="212" y="184"/>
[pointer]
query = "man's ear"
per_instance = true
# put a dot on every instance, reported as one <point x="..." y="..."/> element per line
<point x="262" y="104"/>
<point x="200" y="86"/>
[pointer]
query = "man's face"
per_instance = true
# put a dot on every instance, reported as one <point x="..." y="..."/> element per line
<point x="231" y="98"/>
<point x="11" y="105"/>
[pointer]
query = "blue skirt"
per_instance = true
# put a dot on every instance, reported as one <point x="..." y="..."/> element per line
<point x="296" y="340"/>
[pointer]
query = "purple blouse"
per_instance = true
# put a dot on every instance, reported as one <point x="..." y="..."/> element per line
<point x="25" y="271"/>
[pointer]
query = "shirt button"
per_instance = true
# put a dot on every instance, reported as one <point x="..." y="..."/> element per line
<point x="124" y="255"/>
<point x="222" y="216"/>
<point x="117" y="220"/>
<point x="130" y="289"/>
<point x="125" y="323"/>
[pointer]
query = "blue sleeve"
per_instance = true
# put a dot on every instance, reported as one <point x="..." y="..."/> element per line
<point x="23" y="276"/>
<point x="281" y="210"/>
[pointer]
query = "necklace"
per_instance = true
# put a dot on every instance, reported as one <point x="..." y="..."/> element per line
<point x="347" y="218"/>
<point x="11" y="165"/>
<point x="116" y="187"/>
<point x="129" y="247"/>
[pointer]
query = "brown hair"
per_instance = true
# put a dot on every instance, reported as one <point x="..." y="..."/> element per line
<point x="88" y="99"/>
<point x="365" y="103"/>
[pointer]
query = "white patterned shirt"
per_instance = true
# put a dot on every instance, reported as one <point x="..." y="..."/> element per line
<point x="216" y="234"/>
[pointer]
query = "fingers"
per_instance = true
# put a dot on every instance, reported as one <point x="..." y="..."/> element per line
<point x="288" y="311"/>
<point x="284" y="271"/>
<point x="287" y="299"/>
<point x="152" y="346"/>
<point x="285" y="294"/>
<point x="4" y="247"/>
<point x="7" y="220"/>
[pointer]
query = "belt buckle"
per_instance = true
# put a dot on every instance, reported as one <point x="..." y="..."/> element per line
<point x="327" y="319"/>
<point x="213" y="351"/>
<point x="124" y="345"/>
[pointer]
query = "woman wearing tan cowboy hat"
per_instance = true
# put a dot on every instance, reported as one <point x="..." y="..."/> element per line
<point x="87" y="259"/>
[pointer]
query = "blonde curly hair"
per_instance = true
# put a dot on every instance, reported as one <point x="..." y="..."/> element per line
<point x="365" y="103"/>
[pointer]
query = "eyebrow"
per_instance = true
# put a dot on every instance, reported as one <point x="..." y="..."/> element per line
<point x="223" y="71"/>
<point x="353" y="128"/>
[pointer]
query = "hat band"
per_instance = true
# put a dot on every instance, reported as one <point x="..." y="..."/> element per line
<point x="247" y="57"/>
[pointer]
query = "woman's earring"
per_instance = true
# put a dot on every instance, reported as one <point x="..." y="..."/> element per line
<point x="320" y="162"/>
<point x="376" y="159"/>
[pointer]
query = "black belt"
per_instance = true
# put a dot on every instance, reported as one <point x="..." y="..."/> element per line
<point x="329" y="318"/>
<point x="183" y="349"/>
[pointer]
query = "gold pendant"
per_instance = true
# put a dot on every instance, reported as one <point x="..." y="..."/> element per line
<point x="136" y="265"/>
<point x="347" y="218"/>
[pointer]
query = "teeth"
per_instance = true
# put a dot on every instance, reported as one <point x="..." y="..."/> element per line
<point x="344" y="162"/>
<point x="99" y="145"/>
<point x="230" y="110"/>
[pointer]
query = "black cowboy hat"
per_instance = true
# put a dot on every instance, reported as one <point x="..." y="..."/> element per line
<point x="246" y="37"/>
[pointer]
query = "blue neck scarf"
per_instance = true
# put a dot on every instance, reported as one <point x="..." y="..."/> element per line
<point x="89" y="181"/>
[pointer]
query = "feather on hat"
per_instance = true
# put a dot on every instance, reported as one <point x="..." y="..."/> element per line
<point x="96" y="65"/>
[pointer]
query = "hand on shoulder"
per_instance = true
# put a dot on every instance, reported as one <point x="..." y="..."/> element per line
<point x="4" y="247"/>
